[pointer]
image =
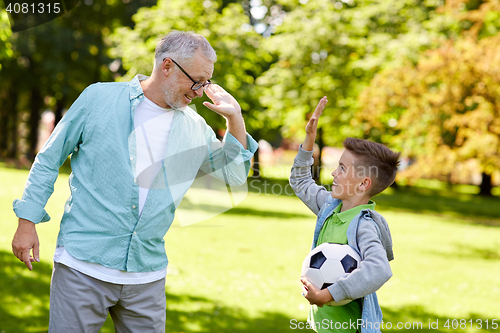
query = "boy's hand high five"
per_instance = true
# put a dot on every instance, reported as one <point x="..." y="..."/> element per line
<point x="312" y="125"/>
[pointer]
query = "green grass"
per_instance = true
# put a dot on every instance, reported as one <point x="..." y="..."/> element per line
<point x="239" y="271"/>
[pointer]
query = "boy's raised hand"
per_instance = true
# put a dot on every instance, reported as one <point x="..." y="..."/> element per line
<point x="312" y="125"/>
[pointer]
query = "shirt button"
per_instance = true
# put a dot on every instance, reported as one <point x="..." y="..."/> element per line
<point x="135" y="180"/>
<point x="135" y="233"/>
<point x="131" y="158"/>
<point x="134" y="207"/>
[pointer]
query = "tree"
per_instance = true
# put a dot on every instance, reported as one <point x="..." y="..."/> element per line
<point x="52" y="63"/>
<point x="8" y="118"/>
<point x="5" y="33"/>
<point x="446" y="108"/>
<point x="334" y="49"/>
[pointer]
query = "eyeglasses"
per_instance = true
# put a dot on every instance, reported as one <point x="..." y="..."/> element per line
<point x="196" y="84"/>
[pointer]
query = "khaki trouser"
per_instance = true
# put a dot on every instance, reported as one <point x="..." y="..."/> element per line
<point x="80" y="303"/>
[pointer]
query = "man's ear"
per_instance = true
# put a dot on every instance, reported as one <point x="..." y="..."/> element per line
<point x="167" y="66"/>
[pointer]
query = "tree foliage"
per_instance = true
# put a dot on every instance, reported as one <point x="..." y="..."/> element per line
<point x="49" y="65"/>
<point x="334" y="48"/>
<point x="446" y="108"/>
<point x="5" y="33"/>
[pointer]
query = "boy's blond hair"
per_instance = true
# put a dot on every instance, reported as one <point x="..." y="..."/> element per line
<point x="375" y="161"/>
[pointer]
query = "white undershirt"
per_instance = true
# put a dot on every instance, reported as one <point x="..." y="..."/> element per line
<point x="152" y="126"/>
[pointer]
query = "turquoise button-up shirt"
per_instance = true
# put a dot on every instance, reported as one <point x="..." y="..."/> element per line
<point x="101" y="222"/>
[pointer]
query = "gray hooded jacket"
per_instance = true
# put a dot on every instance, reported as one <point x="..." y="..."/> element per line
<point x="368" y="234"/>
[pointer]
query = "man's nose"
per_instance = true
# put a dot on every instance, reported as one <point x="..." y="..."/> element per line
<point x="199" y="92"/>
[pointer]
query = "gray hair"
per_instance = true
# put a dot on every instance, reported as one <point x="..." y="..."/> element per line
<point x="182" y="45"/>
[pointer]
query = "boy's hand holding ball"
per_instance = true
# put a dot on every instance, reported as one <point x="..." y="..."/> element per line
<point x="315" y="295"/>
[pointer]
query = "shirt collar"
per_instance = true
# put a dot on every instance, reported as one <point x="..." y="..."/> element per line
<point x="135" y="86"/>
<point x="348" y="215"/>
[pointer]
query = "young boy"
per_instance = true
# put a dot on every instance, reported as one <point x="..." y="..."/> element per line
<point x="346" y="216"/>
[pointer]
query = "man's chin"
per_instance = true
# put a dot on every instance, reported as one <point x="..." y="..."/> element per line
<point x="178" y="106"/>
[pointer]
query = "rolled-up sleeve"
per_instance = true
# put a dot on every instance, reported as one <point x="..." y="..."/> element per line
<point x="245" y="154"/>
<point x="229" y="161"/>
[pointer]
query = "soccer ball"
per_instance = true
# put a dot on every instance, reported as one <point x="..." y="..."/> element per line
<point x="327" y="263"/>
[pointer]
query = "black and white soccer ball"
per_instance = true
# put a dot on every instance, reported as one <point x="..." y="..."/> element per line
<point x="327" y="263"/>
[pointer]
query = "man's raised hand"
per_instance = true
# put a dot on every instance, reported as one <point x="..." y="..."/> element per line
<point x="225" y="105"/>
<point x="222" y="102"/>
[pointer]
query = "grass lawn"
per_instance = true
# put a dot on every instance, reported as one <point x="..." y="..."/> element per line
<point x="239" y="271"/>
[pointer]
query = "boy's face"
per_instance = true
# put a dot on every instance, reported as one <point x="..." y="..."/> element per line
<point x="347" y="179"/>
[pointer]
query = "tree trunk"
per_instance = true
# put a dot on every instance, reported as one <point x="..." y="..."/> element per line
<point x="4" y="125"/>
<point x="11" y="123"/>
<point x="256" y="165"/>
<point x="486" y="186"/>
<point x="58" y="111"/>
<point x="36" y="105"/>
<point x="316" y="168"/>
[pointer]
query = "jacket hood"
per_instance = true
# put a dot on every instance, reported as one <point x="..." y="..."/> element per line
<point x="383" y="231"/>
